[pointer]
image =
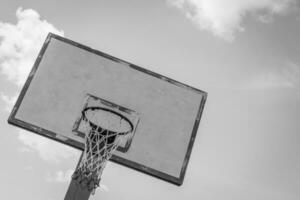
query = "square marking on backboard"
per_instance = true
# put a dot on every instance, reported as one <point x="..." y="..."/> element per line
<point x="93" y="101"/>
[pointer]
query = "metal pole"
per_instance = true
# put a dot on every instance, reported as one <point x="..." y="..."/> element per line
<point x="75" y="191"/>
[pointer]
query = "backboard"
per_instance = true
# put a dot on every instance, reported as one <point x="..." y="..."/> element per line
<point x="67" y="77"/>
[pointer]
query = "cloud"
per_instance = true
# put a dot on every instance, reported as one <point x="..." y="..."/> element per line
<point x="224" y="18"/>
<point x="104" y="187"/>
<point x="9" y="101"/>
<point x="60" y="176"/>
<point x="48" y="150"/>
<point x="19" y="47"/>
<point x="21" y="42"/>
<point x="286" y="77"/>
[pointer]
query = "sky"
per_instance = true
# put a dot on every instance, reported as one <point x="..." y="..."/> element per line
<point x="243" y="53"/>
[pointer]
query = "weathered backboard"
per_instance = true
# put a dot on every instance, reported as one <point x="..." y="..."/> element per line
<point x="67" y="76"/>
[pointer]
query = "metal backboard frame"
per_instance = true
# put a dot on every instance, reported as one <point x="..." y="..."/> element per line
<point x="178" y="179"/>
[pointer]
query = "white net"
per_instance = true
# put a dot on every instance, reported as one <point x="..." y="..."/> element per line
<point x="104" y="132"/>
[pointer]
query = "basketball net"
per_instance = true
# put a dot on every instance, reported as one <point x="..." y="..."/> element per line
<point x="104" y="131"/>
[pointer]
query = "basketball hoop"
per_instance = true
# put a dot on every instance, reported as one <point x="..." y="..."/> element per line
<point x="104" y="129"/>
<point x="98" y="103"/>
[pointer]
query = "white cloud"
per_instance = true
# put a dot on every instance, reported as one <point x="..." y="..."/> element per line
<point x="21" y="42"/>
<point x="270" y="81"/>
<point x="104" y="187"/>
<point x="60" y="176"/>
<point x="19" y="47"/>
<point x="286" y="77"/>
<point x="224" y="17"/>
<point x="48" y="150"/>
<point x="9" y="101"/>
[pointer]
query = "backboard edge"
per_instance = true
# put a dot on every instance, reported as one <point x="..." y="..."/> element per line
<point x="147" y="170"/>
<point x="51" y="135"/>
<point x="141" y="69"/>
<point x="193" y="137"/>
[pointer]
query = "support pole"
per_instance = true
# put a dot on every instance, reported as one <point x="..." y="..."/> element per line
<point x="75" y="191"/>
